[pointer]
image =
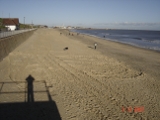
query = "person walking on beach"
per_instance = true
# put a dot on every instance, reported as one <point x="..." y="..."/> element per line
<point x="95" y="45"/>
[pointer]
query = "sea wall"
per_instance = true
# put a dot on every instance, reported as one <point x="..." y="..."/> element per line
<point x="10" y="43"/>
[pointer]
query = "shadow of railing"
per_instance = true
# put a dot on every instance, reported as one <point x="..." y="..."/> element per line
<point x="29" y="109"/>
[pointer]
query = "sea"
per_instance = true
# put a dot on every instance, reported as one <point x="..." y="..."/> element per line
<point x="139" y="38"/>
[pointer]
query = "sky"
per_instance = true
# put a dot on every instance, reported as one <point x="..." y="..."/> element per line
<point x="113" y="14"/>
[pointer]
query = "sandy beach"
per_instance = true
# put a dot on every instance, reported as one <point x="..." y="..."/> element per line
<point x="113" y="82"/>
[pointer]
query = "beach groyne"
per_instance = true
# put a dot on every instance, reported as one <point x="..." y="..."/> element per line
<point x="10" y="43"/>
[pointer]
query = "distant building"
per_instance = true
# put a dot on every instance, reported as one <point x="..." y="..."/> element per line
<point x="69" y="27"/>
<point x="11" y="23"/>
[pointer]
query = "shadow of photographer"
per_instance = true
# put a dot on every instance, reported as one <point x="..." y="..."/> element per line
<point x="30" y="110"/>
<point x="30" y="95"/>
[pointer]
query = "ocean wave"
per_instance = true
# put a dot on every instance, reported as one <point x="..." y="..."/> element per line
<point x="107" y="34"/>
<point x="153" y="48"/>
<point x="137" y="38"/>
<point x="155" y="41"/>
<point x="152" y="41"/>
<point x="156" y="48"/>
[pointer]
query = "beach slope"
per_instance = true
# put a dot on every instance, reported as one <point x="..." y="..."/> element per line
<point x="107" y="83"/>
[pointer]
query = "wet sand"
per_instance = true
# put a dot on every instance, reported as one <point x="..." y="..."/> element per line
<point x="115" y="81"/>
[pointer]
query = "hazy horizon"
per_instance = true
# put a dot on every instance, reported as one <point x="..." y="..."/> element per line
<point x="111" y="14"/>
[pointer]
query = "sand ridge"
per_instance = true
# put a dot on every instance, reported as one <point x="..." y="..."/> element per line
<point x="84" y="83"/>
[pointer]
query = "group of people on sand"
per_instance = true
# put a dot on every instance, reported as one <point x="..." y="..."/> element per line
<point x="95" y="44"/>
<point x="71" y="34"/>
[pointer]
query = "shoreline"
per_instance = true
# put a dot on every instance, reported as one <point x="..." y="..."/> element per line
<point x="114" y="40"/>
<point x="117" y="29"/>
<point x="111" y="40"/>
<point x="133" y="59"/>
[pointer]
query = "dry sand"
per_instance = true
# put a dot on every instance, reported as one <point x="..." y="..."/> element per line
<point x="85" y="84"/>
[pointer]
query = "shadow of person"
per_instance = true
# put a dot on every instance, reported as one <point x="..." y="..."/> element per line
<point x="32" y="109"/>
<point x="30" y="95"/>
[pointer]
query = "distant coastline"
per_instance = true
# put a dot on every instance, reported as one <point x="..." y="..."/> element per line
<point x="114" y="29"/>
